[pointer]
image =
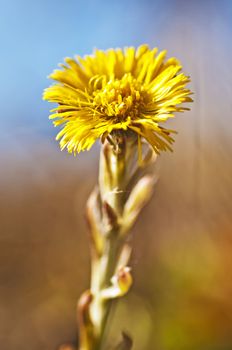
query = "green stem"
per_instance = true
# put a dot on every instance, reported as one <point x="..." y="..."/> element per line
<point x="111" y="211"/>
<point x="112" y="198"/>
<point x="104" y="268"/>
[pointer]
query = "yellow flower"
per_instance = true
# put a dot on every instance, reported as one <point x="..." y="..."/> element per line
<point x="117" y="90"/>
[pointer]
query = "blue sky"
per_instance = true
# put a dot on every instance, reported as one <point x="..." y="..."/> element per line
<point x="36" y="35"/>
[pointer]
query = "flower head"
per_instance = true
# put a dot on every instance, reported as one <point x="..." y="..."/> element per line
<point x="117" y="90"/>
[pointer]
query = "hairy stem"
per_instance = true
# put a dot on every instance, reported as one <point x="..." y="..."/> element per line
<point x="100" y="308"/>
<point x="111" y="210"/>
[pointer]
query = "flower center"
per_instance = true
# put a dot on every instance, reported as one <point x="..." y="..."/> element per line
<point x="119" y="98"/>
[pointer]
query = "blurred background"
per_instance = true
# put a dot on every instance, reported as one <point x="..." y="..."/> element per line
<point x="182" y="259"/>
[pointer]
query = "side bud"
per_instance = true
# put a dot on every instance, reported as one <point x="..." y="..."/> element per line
<point x="139" y="196"/>
<point x="121" y="283"/>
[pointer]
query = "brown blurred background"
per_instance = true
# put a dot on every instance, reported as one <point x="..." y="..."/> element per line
<point x="182" y="259"/>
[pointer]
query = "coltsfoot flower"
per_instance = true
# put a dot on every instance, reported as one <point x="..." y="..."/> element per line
<point x="130" y="89"/>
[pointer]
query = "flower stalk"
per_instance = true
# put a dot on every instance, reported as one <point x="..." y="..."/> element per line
<point x="124" y="188"/>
